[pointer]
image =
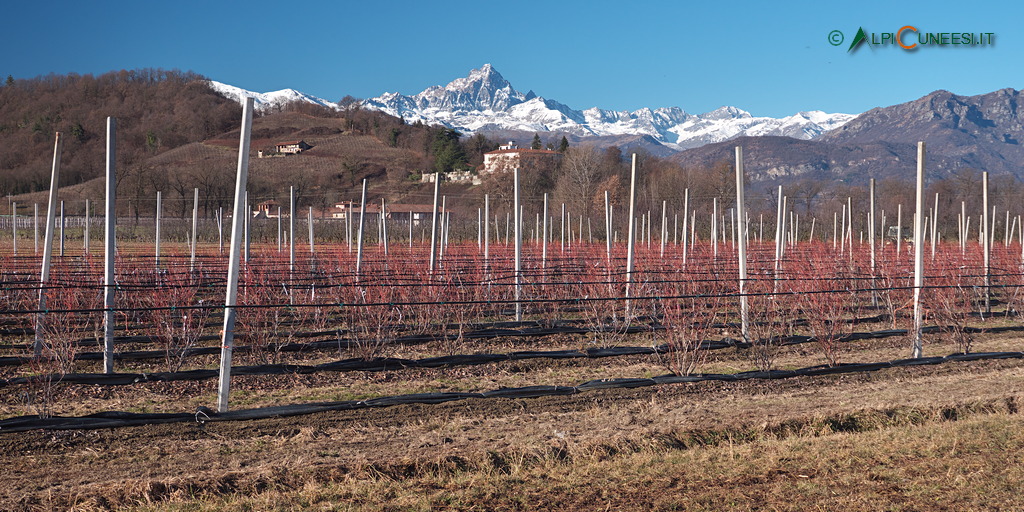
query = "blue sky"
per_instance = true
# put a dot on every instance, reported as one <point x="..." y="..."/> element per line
<point x="763" y="57"/>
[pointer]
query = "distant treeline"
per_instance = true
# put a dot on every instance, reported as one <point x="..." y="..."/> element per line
<point x="155" y="109"/>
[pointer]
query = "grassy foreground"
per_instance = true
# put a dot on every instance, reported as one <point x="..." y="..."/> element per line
<point x="969" y="464"/>
<point x="943" y="437"/>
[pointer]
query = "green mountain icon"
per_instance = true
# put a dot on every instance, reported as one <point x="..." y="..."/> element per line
<point x="857" y="39"/>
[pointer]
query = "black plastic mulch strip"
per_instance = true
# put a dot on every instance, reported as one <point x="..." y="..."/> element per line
<point x="123" y="419"/>
<point x="526" y="329"/>
<point x="368" y="365"/>
<point x="531" y="392"/>
<point x="391" y="364"/>
<point x="617" y="383"/>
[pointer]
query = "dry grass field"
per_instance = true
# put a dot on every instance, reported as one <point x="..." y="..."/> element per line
<point x="944" y="437"/>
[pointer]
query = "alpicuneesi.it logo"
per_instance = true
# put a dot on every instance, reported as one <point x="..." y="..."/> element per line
<point x="910" y="38"/>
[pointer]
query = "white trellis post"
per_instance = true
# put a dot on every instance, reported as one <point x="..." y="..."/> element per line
<point x="51" y="215"/>
<point x="156" y="244"/>
<point x="110" y="248"/>
<point x="359" y="240"/>
<point x="487" y="232"/>
<point x="918" y="253"/>
<point x="433" y="223"/>
<point x="544" y="244"/>
<point x="631" y="241"/>
<point x="195" y="230"/>
<point x="85" y="231"/>
<point x="237" y="225"/>
<point x="742" y="244"/>
<point x="986" y="243"/>
<point x="291" y="229"/>
<point x="519" y="247"/>
<point x="14" y="228"/>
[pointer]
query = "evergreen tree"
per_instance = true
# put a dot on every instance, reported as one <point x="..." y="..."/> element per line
<point x="10" y="80"/>
<point x="563" y="145"/>
<point x="448" y="153"/>
<point x="536" y="144"/>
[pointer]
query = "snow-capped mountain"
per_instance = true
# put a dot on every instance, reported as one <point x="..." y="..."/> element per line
<point x="265" y="100"/>
<point x="485" y="101"/>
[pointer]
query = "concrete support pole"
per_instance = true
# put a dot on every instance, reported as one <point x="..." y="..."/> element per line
<point x="842" y="231"/>
<point x="544" y="244"/>
<point x="664" y="225"/>
<point x="519" y="246"/>
<point x="714" y="227"/>
<point x="871" y="226"/>
<point x="686" y="216"/>
<point x="291" y="229"/>
<point x="237" y="225"/>
<point x="871" y="239"/>
<point x="562" y="229"/>
<point x="195" y="229"/>
<point x="109" y="247"/>
<point x="309" y="225"/>
<point x="156" y="244"/>
<point x="85" y="230"/>
<point x="918" y="252"/>
<point x="741" y="242"/>
<point x="579" y="234"/>
<point x="362" y="225"/>
<point x="675" y="229"/>
<point x="280" y="229"/>
<point x="607" y="225"/>
<point x="1006" y="230"/>
<point x="779" y="220"/>
<point x="835" y="230"/>
<point x="14" y="228"/>
<point x="51" y="217"/>
<point x="986" y="243"/>
<point x="487" y="232"/>
<point x="732" y="226"/>
<point x="935" y="224"/>
<point x="433" y="223"/>
<point x="35" y="225"/>
<point x="384" y="224"/>
<point x="631" y="240"/>
<point x="849" y="226"/>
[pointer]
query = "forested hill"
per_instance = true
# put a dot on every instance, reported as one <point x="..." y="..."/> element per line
<point x="156" y="110"/>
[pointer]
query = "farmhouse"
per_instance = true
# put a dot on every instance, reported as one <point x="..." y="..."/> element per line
<point x="510" y="156"/>
<point x="291" y="147"/>
<point x="266" y="209"/>
<point x="461" y="177"/>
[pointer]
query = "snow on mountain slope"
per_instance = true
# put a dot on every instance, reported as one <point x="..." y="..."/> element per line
<point x="263" y="100"/>
<point x="485" y="101"/>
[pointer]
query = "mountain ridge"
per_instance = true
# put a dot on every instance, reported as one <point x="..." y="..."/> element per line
<point x="484" y="101"/>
